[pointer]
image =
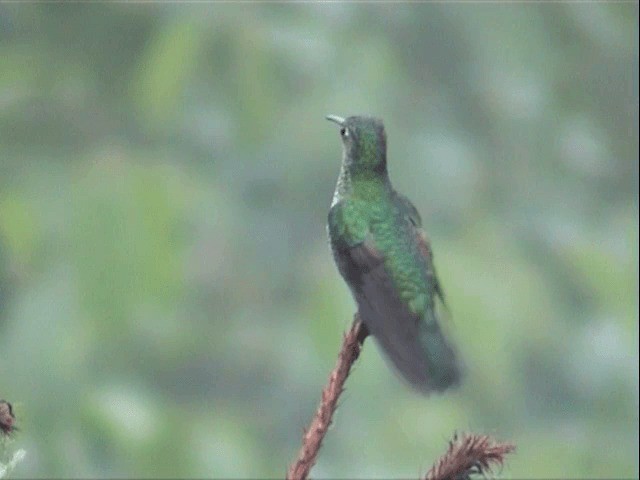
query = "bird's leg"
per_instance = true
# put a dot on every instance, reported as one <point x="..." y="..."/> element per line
<point x="363" y="331"/>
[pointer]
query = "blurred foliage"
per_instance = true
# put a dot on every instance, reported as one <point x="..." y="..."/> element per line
<point x="168" y="304"/>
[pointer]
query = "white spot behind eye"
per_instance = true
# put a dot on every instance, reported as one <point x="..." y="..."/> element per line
<point x="344" y="132"/>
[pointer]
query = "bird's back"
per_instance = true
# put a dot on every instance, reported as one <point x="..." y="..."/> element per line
<point x="389" y="278"/>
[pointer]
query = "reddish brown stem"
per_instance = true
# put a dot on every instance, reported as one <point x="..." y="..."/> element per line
<point x="466" y="456"/>
<point x="312" y="439"/>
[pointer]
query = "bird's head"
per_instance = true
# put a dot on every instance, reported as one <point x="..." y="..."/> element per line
<point x="364" y="142"/>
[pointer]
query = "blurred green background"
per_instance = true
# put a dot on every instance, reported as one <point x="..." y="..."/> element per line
<point x="168" y="303"/>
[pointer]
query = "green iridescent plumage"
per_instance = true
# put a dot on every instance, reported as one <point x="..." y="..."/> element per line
<point x="383" y="255"/>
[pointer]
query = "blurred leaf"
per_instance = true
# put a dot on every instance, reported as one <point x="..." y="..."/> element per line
<point x="163" y="74"/>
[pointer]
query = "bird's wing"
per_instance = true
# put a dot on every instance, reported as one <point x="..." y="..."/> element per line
<point x="412" y="341"/>
<point x="412" y="215"/>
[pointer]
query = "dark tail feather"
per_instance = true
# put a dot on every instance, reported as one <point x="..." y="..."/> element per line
<point x="414" y="343"/>
<point x="423" y="356"/>
<point x="441" y="362"/>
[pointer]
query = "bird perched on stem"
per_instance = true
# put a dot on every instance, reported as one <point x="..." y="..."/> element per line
<point x="384" y="256"/>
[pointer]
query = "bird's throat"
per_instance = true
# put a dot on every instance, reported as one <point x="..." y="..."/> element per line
<point x="361" y="183"/>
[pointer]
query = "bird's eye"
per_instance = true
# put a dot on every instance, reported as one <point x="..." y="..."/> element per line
<point x="344" y="132"/>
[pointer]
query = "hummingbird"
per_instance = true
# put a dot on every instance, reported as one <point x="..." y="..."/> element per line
<point x="385" y="258"/>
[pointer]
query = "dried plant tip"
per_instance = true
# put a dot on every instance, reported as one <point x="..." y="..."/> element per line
<point x="469" y="455"/>
<point x="7" y="418"/>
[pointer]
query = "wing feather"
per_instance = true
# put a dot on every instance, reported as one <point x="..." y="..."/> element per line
<point x="414" y="344"/>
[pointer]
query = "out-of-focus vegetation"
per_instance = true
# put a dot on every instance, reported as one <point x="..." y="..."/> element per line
<point x="168" y="304"/>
